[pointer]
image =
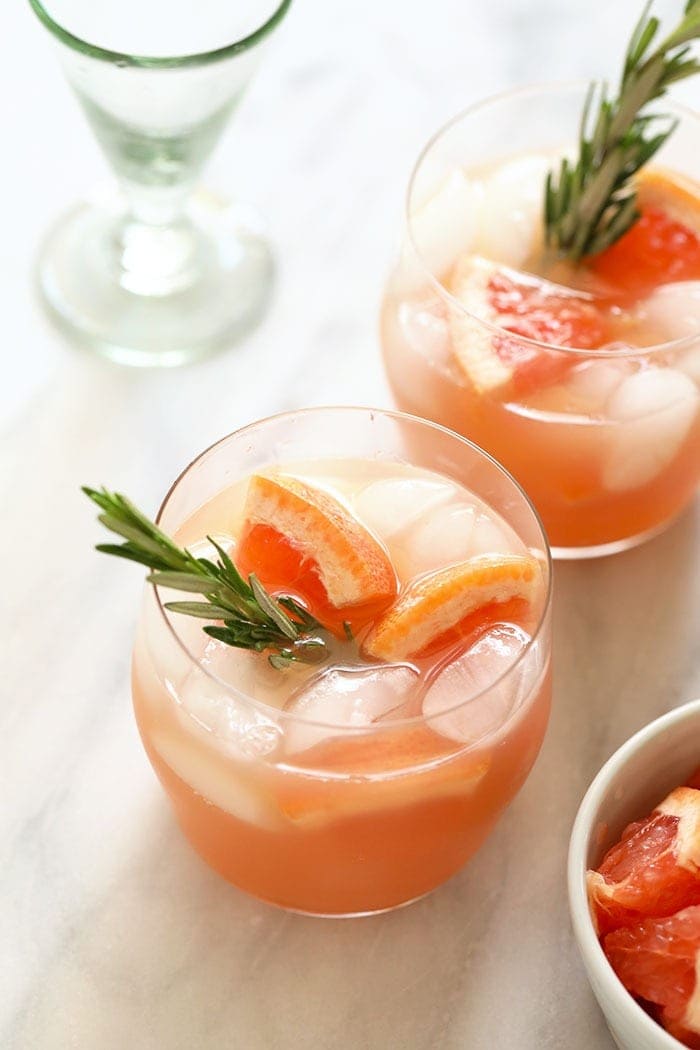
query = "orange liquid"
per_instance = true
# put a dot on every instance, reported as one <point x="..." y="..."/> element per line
<point x="557" y="443"/>
<point x="558" y="458"/>
<point x="342" y="842"/>
<point x="336" y="820"/>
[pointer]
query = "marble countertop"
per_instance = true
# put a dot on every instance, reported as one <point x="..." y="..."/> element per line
<point x="112" y="933"/>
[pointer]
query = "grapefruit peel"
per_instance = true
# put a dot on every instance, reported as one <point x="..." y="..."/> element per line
<point x="523" y="311"/>
<point x="436" y="604"/>
<point x="351" y="564"/>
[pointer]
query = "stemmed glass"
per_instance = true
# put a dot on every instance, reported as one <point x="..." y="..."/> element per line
<point x="157" y="275"/>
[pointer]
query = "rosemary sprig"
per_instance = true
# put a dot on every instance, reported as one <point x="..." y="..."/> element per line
<point x="252" y="618"/>
<point x="590" y="203"/>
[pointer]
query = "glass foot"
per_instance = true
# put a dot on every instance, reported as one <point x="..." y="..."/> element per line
<point x="156" y="296"/>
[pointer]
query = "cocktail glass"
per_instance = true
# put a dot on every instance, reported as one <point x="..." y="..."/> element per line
<point x="157" y="275"/>
<point x="606" y="466"/>
<point x="396" y="807"/>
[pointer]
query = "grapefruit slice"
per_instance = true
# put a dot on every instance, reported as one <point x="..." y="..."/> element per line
<point x="440" y="609"/>
<point x="522" y="306"/>
<point x="387" y="769"/>
<point x="678" y="196"/>
<point x="679" y="1031"/>
<point x="657" y="960"/>
<point x="299" y="539"/>
<point x="655" y="868"/>
<point x="662" y="246"/>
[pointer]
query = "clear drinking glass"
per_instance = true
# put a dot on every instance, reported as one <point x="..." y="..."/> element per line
<point x="157" y="275"/>
<point x="609" y="451"/>
<point x="372" y="816"/>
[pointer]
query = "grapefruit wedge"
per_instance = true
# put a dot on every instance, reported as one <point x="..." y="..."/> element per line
<point x="655" y="868"/>
<point x="657" y="961"/>
<point x="300" y="540"/>
<point x="445" y="606"/>
<point x="518" y="305"/>
<point x="662" y="246"/>
<point x="385" y="770"/>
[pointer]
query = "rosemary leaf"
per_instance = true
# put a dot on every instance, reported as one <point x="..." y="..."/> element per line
<point x="272" y="608"/>
<point x="182" y="581"/>
<point x="252" y="618"/>
<point x="205" y="610"/>
<point x="591" y="203"/>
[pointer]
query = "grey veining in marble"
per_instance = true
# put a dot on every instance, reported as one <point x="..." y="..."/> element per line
<point x="112" y="934"/>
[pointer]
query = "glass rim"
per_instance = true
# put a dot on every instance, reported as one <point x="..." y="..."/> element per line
<point x="268" y="710"/>
<point x="538" y="88"/>
<point x="199" y="58"/>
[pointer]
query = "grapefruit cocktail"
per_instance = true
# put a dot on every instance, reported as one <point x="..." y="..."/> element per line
<point x="579" y="372"/>
<point x="354" y="760"/>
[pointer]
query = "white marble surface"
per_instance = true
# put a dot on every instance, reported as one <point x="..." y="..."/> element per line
<point x="112" y="934"/>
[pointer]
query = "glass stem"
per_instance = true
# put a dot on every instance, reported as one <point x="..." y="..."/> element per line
<point x="156" y="242"/>
<point x="158" y="245"/>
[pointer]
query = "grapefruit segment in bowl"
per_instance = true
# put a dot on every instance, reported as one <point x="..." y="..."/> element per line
<point x="446" y="606"/>
<point x="299" y="539"/>
<point x="654" y="869"/>
<point x="657" y="961"/>
<point x="496" y="361"/>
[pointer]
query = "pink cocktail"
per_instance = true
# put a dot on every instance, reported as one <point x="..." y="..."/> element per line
<point x="581" y="378"/>
<point x="363" y="779"/>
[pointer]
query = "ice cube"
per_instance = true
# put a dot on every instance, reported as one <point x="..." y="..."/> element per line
<point x="493" y="537"/>
<point x="584" y="392"/>
<point x="446" y="224"/>
<point x="246" y="671"/>
<point x="233" y="788"/>
<point x="356" y="696"/>
<point x="224" y="697"/>
<point x="511" y="211"/>
<point x="218" y="736"/>
<point x="689" y="363"/>
<point x="438" y="538"/>
<point x="593" y="382"/>
<point x="391" y="504"/>
<point x="653" y="411"/>
<point x="674" y="309"/>
<point x="423" y="325"/>
<point x="448" y="535"/>
<point x="231" y="715"/>
<point x="446" y="703"/>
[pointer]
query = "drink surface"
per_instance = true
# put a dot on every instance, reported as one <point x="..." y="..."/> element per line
<point x="378" y="749"/>
<point x="476" y="306"/>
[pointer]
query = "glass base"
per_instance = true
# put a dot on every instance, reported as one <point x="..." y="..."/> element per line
<point x="602" y="550"/>
<point x="346" y="914"/>
<point x="156" y="296"/>
<point x="202" y="847"/>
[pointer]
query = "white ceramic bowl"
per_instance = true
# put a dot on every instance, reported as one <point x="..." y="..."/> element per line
<point x="638" y="776"/>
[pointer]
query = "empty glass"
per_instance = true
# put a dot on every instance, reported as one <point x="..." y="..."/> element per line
<point x="157" y="275"/>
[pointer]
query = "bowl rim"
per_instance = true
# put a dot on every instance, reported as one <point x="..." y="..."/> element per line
<point x="594" y="958"/>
